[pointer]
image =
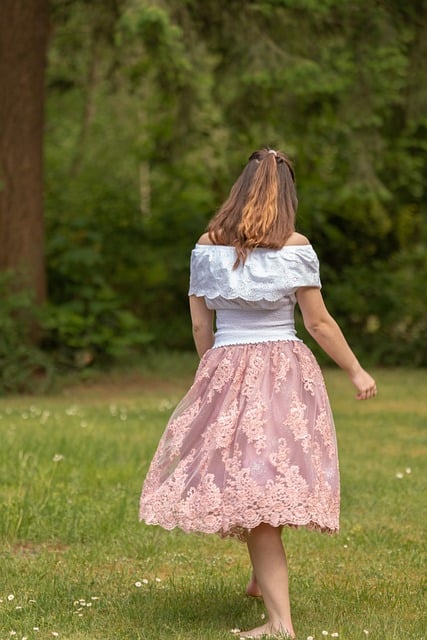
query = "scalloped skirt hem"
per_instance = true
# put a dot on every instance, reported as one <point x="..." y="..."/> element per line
<point x="241" y="532"/>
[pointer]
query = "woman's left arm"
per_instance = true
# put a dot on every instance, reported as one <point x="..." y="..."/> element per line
<point x="202" y="324"/>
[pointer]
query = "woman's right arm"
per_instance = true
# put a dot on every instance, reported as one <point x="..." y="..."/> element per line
<point x="324" y="329"/>
<point x="202" y="324"/>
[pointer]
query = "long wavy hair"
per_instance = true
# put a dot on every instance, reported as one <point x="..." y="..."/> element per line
<point x="260" y="209"/>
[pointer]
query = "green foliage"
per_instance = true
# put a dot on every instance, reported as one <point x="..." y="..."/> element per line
<point x="382" y="307"/>
<point x="152" y="109"/>
<point x="23" y="367"/>
<point x="86" y="321"/>
<point x="92" y="329"/>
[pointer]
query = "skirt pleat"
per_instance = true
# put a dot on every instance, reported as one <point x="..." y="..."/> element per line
<point x="252" y="441"/>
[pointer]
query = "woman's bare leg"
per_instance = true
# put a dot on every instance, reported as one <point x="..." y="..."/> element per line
<point x="253" y="587"/>
<point x="271" y="570"/>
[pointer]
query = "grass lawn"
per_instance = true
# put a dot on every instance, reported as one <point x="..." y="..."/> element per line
<point x="76" y="564"/>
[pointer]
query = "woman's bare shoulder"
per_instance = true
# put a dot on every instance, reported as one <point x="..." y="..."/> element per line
<point x="204" y="239"/>
<point x="296" y="239"/>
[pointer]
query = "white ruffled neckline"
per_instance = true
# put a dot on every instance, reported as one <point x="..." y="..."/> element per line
<point x="267" y="274"/>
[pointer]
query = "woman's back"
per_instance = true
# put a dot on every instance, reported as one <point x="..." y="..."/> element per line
<point x="255" y="301"/>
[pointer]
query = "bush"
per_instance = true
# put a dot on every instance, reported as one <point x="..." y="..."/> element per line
<point x="92" y="328"/>
<point x="381" y="308"/>
<point x="23" y="366"/>
<point x="36" y="343"/>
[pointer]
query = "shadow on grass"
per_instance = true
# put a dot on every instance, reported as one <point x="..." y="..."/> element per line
<point x="204" y="609"/>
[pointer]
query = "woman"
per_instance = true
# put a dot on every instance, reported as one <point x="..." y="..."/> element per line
<point x="251" y="447"/>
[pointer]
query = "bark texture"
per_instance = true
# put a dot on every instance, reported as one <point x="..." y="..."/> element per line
<point x="23" y="43"/>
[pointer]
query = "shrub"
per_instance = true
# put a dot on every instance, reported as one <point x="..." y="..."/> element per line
<point x="23" y="366"/>
<point x="92" y="328"/>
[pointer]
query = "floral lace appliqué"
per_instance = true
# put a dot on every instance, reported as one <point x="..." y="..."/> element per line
<point x="281" y="363"/>
<point x="296" y="421"/>
<point x="323" y="425"/>
<point x="253" y="423"/>
<point x="223" y="375"/>
<point x="311" y="375"/>
<point x="253" y="441"/>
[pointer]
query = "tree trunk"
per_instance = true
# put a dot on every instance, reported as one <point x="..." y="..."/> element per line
<point x="23" y="45"/>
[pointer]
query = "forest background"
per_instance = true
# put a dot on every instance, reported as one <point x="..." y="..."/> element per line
<point x="151" y="109"/>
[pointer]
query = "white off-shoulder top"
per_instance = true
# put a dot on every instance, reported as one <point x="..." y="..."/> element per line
<point x="254" y="302"/>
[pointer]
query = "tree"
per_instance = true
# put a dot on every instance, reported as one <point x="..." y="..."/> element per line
<point x="23" y="44"/>
<point x="151" y="106"/>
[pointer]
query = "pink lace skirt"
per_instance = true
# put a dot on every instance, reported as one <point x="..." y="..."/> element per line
<point x="252" y="441"/>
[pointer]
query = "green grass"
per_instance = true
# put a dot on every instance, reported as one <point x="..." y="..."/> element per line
<point x="72" y="550"/>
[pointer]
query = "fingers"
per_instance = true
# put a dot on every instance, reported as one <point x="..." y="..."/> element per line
<point x="365" y="384"/>
<point x="367" y="393"/>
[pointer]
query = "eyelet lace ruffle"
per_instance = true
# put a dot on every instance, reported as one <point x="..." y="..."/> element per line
<point x="268" y="274"/>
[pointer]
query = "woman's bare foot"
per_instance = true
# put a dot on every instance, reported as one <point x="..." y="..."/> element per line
<point x="253" y="589"/>
<point x="266" y="631"/>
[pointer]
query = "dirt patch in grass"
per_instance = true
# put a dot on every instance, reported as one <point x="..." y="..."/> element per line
<point x="24" y="548"/>
<point x="132" y="384"/>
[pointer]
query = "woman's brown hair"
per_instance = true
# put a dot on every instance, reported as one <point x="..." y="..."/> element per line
<point x="260" y="210"/>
